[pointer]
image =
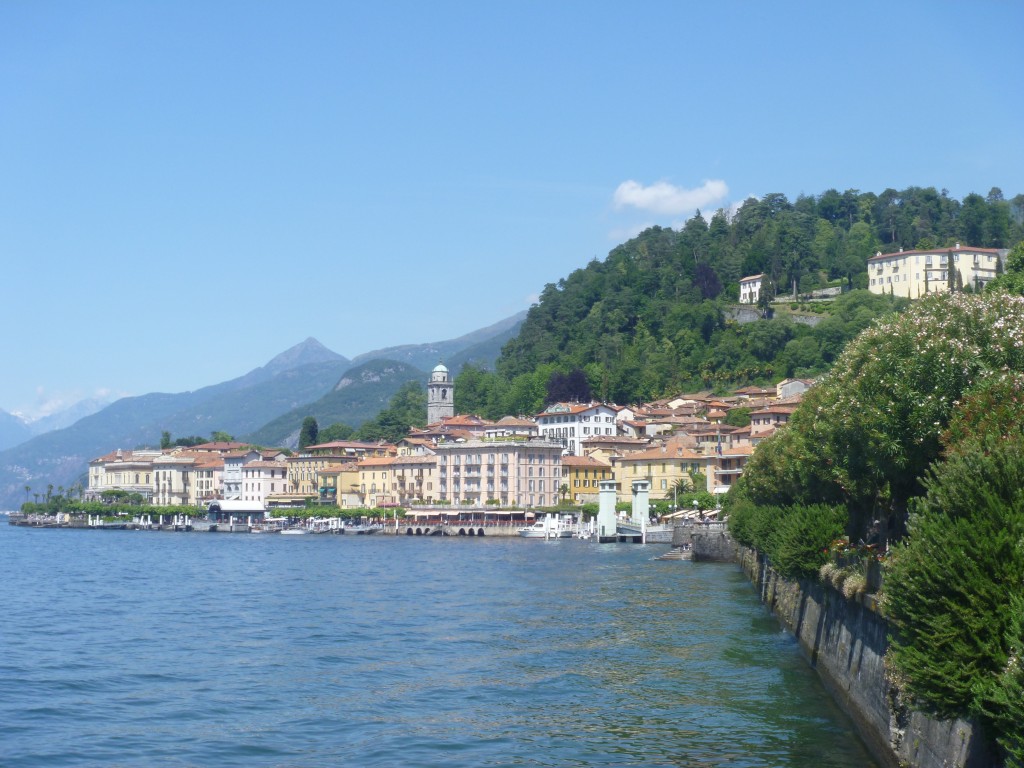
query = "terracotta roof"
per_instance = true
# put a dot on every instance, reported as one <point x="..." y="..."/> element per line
<point x="513" y="421"/>
<point x="354" y="444"/>
<point x="751" y="277"/>
<point x="671" y="450"/>
<point x="575" y="408"/>
<point x="377" y="461"/>
<point x="239" y="452"/>
<point x="737" y="450"/>
<point x="615" y="439"/>
<point x="397" y="460"/>
<point x="754" y="390"/>
<point x="465" y="420"/>
<point x="336" y="469"/>
<point x="583" y="461"/>
<point x="219" y="446"/>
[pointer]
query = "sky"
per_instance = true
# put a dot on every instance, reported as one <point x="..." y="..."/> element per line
<point x="188" y="188"/>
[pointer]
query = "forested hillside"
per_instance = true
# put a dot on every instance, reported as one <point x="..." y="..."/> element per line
<point x="650" y="319"/>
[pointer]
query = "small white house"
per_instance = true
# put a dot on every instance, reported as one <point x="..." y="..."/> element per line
<point x="750" y="289"/>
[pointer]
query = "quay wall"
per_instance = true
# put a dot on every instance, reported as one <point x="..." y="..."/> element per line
<point x="713" y="544"/>
<point x="845" y="641"/>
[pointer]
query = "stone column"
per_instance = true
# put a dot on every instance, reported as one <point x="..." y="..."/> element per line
<point x="641" y="505"/>
<point x="606" y="529"/>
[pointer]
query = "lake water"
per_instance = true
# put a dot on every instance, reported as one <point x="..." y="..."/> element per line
<point x="131" y="648"/>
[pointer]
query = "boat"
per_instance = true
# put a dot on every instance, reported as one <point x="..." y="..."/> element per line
<point x="293" y="531"/>
<point x="542" y="529"/>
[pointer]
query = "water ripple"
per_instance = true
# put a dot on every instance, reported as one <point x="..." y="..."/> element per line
<point x="129" y="648"/>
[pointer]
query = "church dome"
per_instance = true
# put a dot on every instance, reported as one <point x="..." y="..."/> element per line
<point x="440" y="368"/>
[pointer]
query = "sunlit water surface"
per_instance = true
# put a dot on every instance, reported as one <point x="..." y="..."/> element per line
<point x="127" y="648"/>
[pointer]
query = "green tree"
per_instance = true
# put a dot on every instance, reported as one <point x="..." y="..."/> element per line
<point x="335" y="432"/>
<point x="221" y="437"/>
<point x="308" y="433"/>
<point x="1012" y="277"/>
<point x="738" y="417"/>
<point x="165" y="440"/>
<point x="407" y="408"/>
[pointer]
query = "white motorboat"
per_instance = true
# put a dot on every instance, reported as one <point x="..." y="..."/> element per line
<point x="544" y="529"/>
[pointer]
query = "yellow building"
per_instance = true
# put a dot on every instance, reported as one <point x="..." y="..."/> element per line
<point x="914" y="274"/>
<point x="130" y="471"/>
<point x="414" y="478"/>
<point x="581" y="474"/>
<point x="348" y="485"/>
<point x="664" y="466"/>
<point x="375" y="480"/>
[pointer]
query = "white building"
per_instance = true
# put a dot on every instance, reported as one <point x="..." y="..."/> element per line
<point x="568" y="424"/>
<point x="261" y="479"/>
<point x="750" y="289"/>
<point x="172" y="474"/>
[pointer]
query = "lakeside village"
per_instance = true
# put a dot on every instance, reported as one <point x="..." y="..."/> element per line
<point x="499" y="476"/>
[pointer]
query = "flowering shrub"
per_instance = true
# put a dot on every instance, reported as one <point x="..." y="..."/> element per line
<point x="865" y="435"/>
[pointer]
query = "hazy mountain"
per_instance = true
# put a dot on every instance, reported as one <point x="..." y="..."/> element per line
<point x="359" y="395"/>
<point x="68" y="416"/>
<point x="13" y="430"/>
<point x="61" y="457"/>
<point x="262" y="403"/>
<point x="426" y="356"/>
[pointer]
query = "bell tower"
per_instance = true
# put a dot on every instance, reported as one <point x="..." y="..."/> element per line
<point x="440" y="395"/>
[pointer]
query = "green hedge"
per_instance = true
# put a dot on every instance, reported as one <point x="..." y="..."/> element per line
<point x="954" y="592"/>
<point x="795" y="539"/>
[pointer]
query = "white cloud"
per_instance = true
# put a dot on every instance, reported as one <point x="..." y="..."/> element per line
<point x="662" y="197"/>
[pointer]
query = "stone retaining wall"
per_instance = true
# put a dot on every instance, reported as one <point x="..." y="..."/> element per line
<point x="713" y="546"/>
<point x="845" y="641"/>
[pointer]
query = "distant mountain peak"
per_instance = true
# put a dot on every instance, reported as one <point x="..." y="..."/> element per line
<point x="303" y="353"/>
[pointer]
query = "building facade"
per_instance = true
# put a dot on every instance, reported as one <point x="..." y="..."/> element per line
<point x="519" y="473"/>
<point x="580" y="477"/>
<point x="129" y="471"/>
<point x="569" y="424"/>
<point x="750" y="289"/>
<point x="664" y="467"/>
<point x="261" y="479"/>
<point x="915" y="274"/>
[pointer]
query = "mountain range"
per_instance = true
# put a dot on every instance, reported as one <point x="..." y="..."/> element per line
<point x="265" y="405"/>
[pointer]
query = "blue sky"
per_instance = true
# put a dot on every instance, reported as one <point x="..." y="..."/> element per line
<point x="189" y="188"/>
